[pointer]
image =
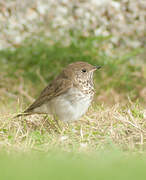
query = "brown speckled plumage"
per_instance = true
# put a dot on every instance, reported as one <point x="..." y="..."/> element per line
<point x="69" y="95"/>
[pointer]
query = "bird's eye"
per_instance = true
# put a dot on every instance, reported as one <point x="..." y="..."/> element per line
<point x="83" y="70"/>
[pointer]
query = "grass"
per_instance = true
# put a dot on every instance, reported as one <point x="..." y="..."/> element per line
<point x="69" y="166"/>
<point x="102" y="128"/>
<point x="112" y="130"/>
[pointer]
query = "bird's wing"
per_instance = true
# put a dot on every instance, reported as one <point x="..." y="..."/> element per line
<point x="56" y="88"/>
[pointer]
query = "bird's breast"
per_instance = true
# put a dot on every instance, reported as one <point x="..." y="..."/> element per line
<point x="71" y="105"/>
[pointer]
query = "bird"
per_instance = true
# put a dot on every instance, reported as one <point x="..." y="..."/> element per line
<point x="69" y="95"/>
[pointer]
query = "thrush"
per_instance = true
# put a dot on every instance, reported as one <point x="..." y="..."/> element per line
<point x="69" y="95"/>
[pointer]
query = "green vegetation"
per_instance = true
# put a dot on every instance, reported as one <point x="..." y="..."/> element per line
<point x="32" y="59"/>
<point x="58" y="166"/>
<point x="112" y="130"/>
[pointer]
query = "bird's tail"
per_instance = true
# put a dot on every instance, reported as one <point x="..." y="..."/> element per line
<point x="22" y="114"/>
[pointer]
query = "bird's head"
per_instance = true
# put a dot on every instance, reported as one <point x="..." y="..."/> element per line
<point x="81" y="72"/>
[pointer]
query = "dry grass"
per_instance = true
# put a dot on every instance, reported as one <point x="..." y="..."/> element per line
<point x="102" y="128"/>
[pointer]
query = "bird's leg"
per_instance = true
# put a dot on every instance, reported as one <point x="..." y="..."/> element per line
<point x="66" y="127"/>
<point x="56" y="120"/>
<point x="47" y="122"/>
<point x="57" y="125"/>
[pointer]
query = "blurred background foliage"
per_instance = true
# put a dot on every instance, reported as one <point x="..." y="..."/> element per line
<point x="40" y="61"/>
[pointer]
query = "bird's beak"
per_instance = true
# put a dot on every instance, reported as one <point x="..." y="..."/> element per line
<point x="96" y="67"/>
